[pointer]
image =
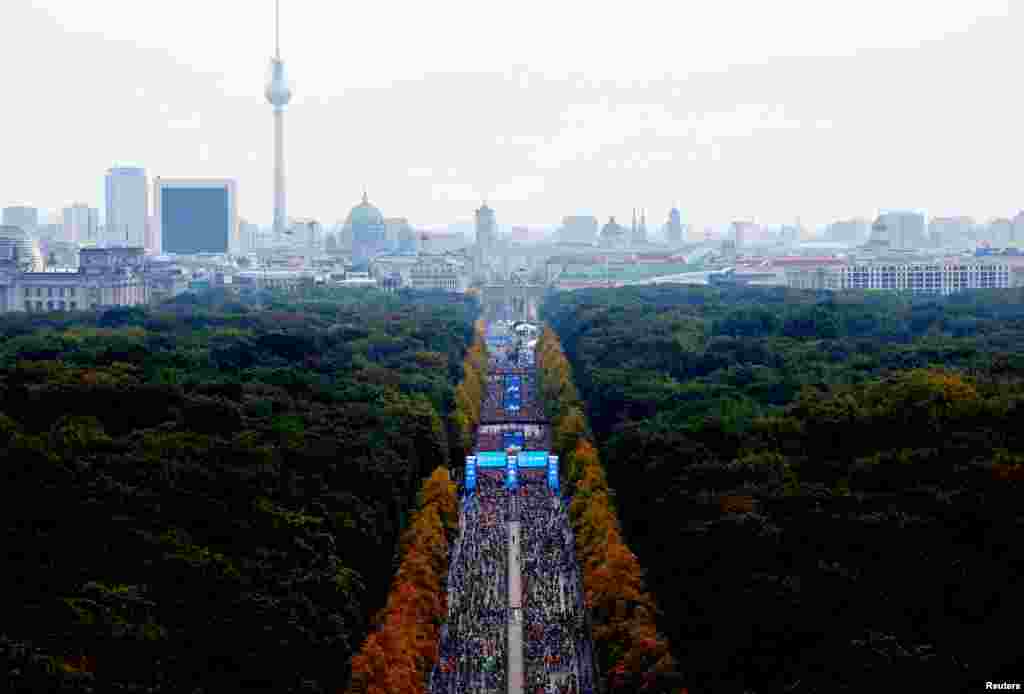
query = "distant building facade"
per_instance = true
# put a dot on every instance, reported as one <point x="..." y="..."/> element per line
<point x="24" y="253"/>
<point x="917" y="278"/>
<point x="674" y="227"/>
<point x="613" y="235"/>
<point x="81" y="224"/>
<point x="439" y="272"/>
<point x="194" y="216"/>
<point x="580" y="229"/>
<point x="638" y="233"/>
<point x="947" y="232"/>
<point x="24" y="217"/>
<point x="127" y="211"/>
<point x="902" y="229"/>
<point x="105" y="278"/>
<point x="486" y="228"/>
<point x="848" y="230"/>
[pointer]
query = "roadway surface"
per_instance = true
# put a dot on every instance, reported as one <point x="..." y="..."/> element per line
<point x="516" y="678"/>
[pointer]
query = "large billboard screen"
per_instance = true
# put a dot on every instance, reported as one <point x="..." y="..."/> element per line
<point x="513" y="392"/>
<point x="513" y="439"/>
<point x="490" y="458"/>
<point x="470" y="473"/>
<point x="533" y="459"/>
<point x="195" y="220"/>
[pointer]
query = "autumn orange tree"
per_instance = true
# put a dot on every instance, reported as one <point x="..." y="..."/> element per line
<point x="399" y="654"/>
<point x="630" y="650"/>
<point x="469" y="394"/>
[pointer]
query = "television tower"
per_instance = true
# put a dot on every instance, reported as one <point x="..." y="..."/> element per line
<point x="278" y="93"/>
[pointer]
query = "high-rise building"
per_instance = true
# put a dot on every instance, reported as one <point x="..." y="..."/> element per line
<point x="674" y="227"/>
<point x="195" y="216"/>
<point x="248" y="234"/>
<point x="127" y="192"/>
<point x="81" y="224"/>
<point x="23" y="217"/>
<point x="579" y="229"/>
<point x="639" y="232"/>
<point x="279" y="94"/>
<point x="486" y="237"/>
<point x="742" y="232"/>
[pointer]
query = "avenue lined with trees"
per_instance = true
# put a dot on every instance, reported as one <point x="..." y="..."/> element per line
<point x="768" y="490"/>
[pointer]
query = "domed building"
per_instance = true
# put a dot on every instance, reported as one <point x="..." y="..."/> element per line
<point x="369" y="234"/>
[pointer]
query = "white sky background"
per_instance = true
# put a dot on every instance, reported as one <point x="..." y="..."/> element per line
<point x="733" y="108"/>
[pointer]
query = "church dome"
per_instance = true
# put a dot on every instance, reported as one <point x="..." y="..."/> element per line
<point x="365" y="214"/>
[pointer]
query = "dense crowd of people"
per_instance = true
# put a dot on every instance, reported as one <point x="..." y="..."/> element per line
<point x="557" y="646"/>
<point x="557" y="650"/>
<point x="495" y="408"/>
<point x="471" y="655"/>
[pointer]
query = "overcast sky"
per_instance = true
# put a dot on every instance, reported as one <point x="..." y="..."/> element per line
<point x="730" y="109"/>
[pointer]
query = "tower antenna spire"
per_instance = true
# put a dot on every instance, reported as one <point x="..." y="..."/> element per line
<point x="277" y="29"/>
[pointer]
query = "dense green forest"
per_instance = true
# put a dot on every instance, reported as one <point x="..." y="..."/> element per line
<point x="208" y="496"/>
<point x="824" y="489"/>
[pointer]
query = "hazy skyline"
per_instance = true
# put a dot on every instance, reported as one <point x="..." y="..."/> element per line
<point x="739" y="109"/>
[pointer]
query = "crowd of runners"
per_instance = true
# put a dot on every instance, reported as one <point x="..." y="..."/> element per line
<point x="474" y="657"/>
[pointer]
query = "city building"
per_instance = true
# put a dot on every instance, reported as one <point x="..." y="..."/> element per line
<point x="903" y="229"/>
<point x="195" y="216"/>
<point x="24" y="252"/>
<point x="578" y="230"/>
<point x="1000" y="232"/>
<point x="22" y="216"/>
<point x="248" y="236"/>
<point x="81" y="224"/>
<point x="127" y="198"/>
<point x="408" y="240"/>
<point x="437" y="242"/>
<point x="638" y="237"/>
<point x="854" y="230"/>
<point x="674" y="227"/>
<point x="439" y="272"/>
<point x="486" y="226"/>
<point x="951" y="232"/>
<point x="943" y="278"/>
<point x="743" y="233"/>
<point x="104" y="278"/>
<point x="365" y="226"/>
<point x="273" y="279"/>
<point x="396" y="229"/>
<point x="613" y="235"/>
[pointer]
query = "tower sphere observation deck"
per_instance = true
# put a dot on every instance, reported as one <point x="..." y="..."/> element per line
<point x="279" y="91"/>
